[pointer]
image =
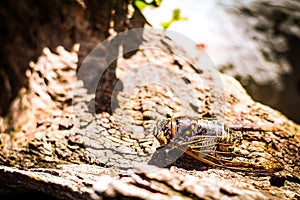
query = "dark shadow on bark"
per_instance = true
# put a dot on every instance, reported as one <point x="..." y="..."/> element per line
<point x="108" y="89"/>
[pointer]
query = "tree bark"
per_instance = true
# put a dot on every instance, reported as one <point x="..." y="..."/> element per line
<point x="54" y="145"/>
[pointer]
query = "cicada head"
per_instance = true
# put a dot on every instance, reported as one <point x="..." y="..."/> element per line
<point x="163" y="131"/>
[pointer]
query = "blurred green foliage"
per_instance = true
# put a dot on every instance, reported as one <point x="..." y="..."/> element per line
<point x="142" y="4"/>
<point x="175" y="18"/>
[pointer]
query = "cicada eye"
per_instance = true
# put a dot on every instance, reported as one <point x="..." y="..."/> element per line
<point x="157" y="128"/>
<point x="156" y="131"/>
<point x="162" y="131"/>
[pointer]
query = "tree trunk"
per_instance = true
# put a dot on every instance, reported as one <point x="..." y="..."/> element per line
<point x="55" y="145"/>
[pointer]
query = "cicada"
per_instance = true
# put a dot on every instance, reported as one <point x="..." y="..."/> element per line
<point x="205" y="139"/>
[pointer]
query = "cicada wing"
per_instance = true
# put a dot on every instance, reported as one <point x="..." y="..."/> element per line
<point x="199" y="146"/>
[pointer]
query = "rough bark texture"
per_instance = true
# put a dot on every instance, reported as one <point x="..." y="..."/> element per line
<point x="40" y="138"/>
<point x="28" y="27"/>
<point x="54" y="146"/>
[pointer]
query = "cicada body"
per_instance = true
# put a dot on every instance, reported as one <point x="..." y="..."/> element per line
<point x="202" y="136"/>
<point x="207" y="140"/>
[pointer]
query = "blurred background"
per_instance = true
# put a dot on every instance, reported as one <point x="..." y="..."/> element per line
<point x="256" y="41"/>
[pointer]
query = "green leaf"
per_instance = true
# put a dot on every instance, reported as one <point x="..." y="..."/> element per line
<point x="175" y="18"/>
<point x="142" y="4"/>
<point x="176" y="15"/>
<point x="165" y="25"/>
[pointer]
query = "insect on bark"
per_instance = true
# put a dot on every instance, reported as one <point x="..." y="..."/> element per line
<point x="207" y="140"/>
